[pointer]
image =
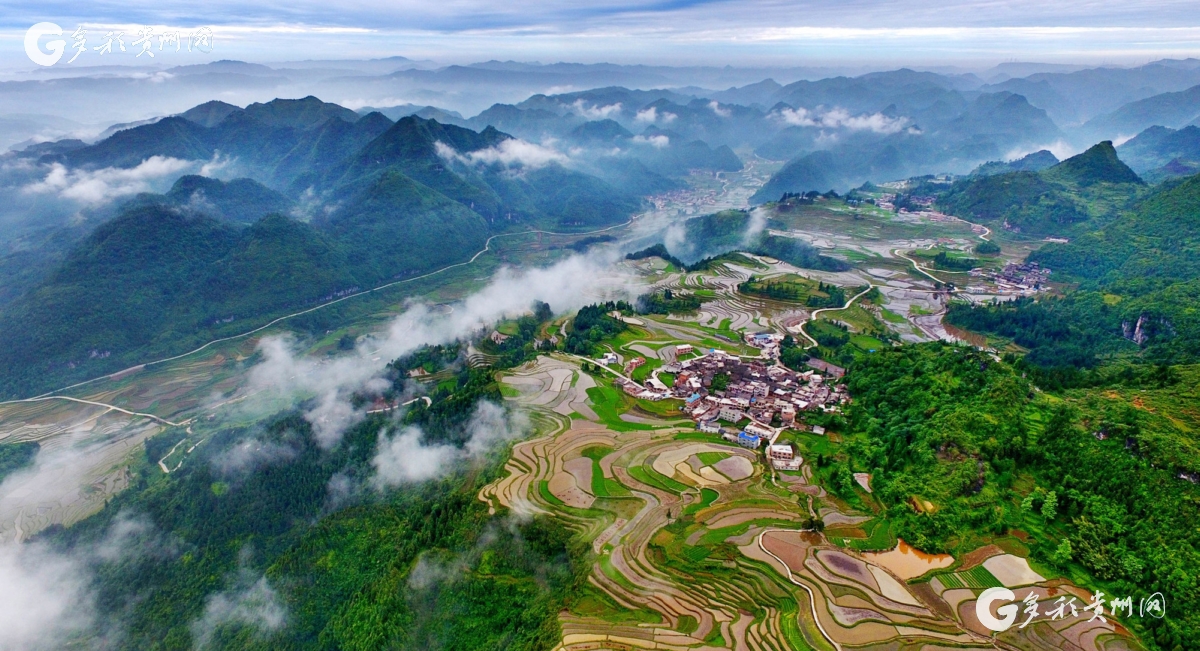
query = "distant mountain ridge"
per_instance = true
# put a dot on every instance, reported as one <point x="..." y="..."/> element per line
<point x="1035" y="162"/>
<point x="1159" y="153"/>
<point x="342" y="202"/>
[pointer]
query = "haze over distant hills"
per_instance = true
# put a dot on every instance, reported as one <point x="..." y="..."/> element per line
<point x="296" y="188"/>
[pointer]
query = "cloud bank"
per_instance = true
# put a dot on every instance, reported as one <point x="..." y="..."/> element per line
<point x="250" y="604"/>
<point x="651" y="115"/>
<point x="405" y="458"/>
<point x="509" y="153"/>
<point x="92" y="187"/>
<point x="328" y="383"/>
<point x="839" y="118"/>
<point x="595" y="112"/>
<point x="657" y="141"/>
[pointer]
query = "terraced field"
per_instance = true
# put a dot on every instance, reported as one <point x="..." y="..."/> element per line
<point x="699" y="545"/>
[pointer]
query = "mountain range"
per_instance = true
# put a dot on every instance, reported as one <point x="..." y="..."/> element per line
<point x="331" y="202"/>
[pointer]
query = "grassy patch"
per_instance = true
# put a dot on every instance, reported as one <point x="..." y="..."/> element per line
<point x="592" y="602"/>
<point x="687" y="624"/>
<point x="650" y="477"/>
<point x="710" y="458"/>
<point x="609" y="404"/>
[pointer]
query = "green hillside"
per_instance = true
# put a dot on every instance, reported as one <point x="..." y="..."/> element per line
<point x="1138" y="296"/>
<point x="1085" y="189"/>
<point x="239" y="200"/>
<point x="398" y="226"/>
<point x="155" y="280"/>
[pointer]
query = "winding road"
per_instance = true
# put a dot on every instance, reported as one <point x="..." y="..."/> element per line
<point x="813" y="317"/>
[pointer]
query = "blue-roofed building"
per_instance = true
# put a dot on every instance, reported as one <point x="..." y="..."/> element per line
<point x="693" y="398"/>
<point x="751" y="441"/>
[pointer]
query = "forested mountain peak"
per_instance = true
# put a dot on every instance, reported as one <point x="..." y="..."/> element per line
<point x="305" y="113"/>
<point x="1099" y="164"/>
<point x="415" y="139"/>
<point x="209" y="114"/>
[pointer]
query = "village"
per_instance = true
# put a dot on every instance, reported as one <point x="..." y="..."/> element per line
<point x="1016" y="279"/>
<point x="748" y="401"/>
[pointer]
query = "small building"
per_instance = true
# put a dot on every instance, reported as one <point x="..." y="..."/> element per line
<point x="817" y="429"/>
<point x="683" y="349"/>
<point x="747" y="440"/>
<point x="781" y="452"/>
<point x="760" y="430"/>
<point x="731" y="414"/>
<point x="709" y="427"/>
<point x="498" y="337"/>
<point x="609" y="358"/>
<point x="787" y="414"/>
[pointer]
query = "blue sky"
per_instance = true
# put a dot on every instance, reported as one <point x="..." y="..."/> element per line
<point x="971" y="32"/>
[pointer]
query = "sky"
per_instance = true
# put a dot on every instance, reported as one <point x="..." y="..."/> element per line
<point x="969" y="33"/>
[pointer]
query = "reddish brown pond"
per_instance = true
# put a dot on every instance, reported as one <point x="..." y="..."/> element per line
<point x="907" y="562"/>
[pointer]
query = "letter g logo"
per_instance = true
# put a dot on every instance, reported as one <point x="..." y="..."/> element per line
<point x="983" y="609"/>
<point x="56" y="47"/>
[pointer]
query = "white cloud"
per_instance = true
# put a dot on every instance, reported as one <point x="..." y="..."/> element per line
<point x="44" y="597"/>
<point x="657" y="141"/>
<point x="510" y="153"/>
<point x="404" y="458"/>
<point x="99" y="186"/>
<point x="254" y="605"/>
<point x="840" y="118"/>
<point x="651" y="115"/>
<point x="721" y="112"/>
<point x="250" y="454"/>
<point x="595" y="112"/>
<point x="754" y="227"/>
<point x="382" y="102"/>
<point x="329" y="382"/>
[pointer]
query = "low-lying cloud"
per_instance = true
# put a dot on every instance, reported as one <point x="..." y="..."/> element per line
<point x="328" y="383"/>
<point x="510" y="153"/>
<point x="840" y="118"/>
<point x="98" y="186"/>
<point x="720" y="112"/>
<point x="658" y="141"/>
<point x="651" y="115"/>
<point x="92" y="187"/>
<point x="47" y="597"/>
<point x="250" y="603"/>
<point x="595" y="112"/>
<point x="405" y="458"/>
<point x="249" y="455"/>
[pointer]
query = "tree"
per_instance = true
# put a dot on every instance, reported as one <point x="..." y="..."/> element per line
<point x="1050" y="506"/>
<point x="1062" y="554"/>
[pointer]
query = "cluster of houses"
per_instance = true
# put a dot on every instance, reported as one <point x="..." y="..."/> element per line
<point x="769" y="397"/>
<point x="1019" y="279"/>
